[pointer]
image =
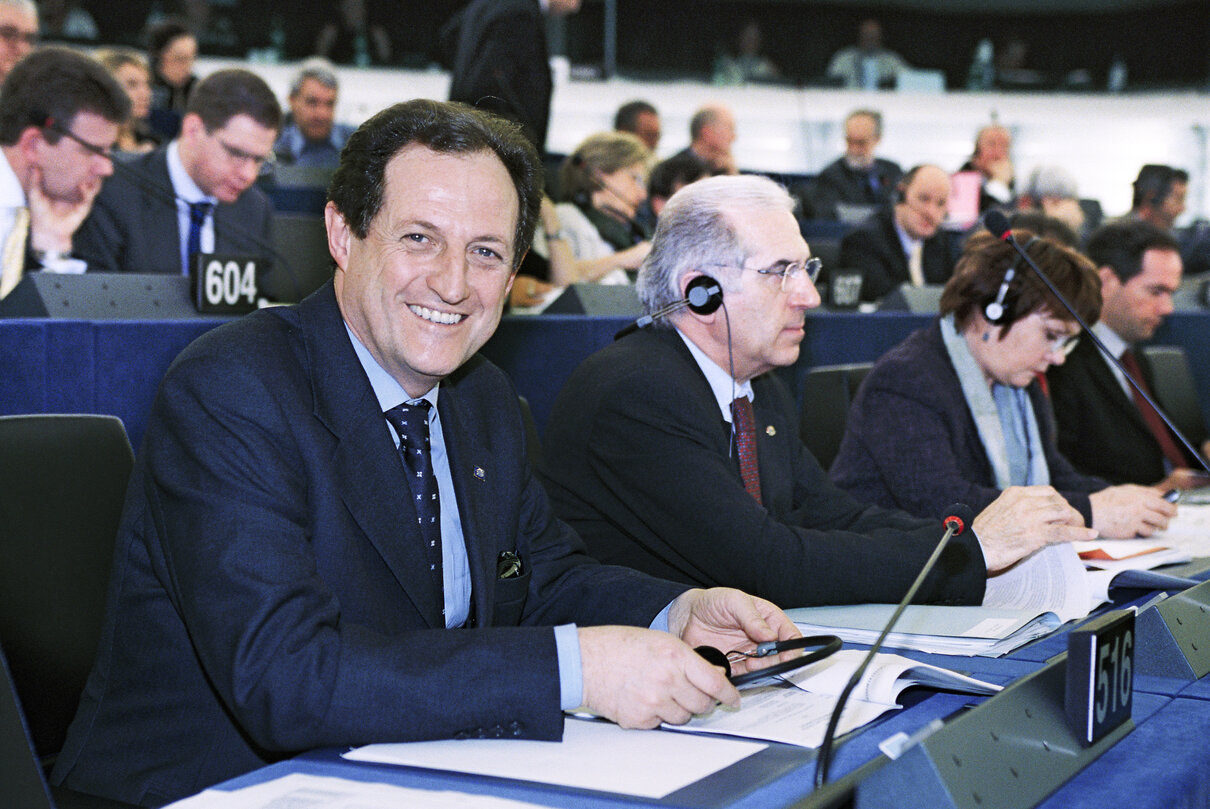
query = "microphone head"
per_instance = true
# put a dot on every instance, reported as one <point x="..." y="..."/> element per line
<point x="996" y="222"/>
<point x="959" y="516"/>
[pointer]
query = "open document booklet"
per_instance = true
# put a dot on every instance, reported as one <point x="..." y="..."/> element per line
<point x="1057" y="584"/>
<point x="794" y="708"/>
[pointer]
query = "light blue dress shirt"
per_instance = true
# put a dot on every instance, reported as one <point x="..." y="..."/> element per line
<point x="188" y="191"/>
<point x="455" y="568"/>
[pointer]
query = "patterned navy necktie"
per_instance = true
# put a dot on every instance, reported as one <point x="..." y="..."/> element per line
<point x="745" y="440"/>
<point x="411" y="421"/>
<point x="198" y="211"/>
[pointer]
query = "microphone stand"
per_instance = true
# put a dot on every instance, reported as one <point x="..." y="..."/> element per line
<point x="960" y="517"/>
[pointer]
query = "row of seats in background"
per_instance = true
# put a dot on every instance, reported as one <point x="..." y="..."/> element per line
<point x="299" y="194"/>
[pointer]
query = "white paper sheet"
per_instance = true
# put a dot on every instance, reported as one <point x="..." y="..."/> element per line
<point x="796" y="709"/>
<point x="654" y="763"/>
<point x="1189" y="530"/>
<point x="303" y="791"/>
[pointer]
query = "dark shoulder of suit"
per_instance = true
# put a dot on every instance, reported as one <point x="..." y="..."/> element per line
<point x="1099" y="428"/>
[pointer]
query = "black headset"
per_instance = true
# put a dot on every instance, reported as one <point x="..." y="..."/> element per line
<point x="997" y="310"/>
<point x="703" y="295"/>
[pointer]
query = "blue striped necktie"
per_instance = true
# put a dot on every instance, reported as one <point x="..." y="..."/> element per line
<point x="411" y="422"/>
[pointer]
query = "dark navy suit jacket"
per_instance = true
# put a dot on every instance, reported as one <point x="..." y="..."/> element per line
<point x="911" y="441"/>
<point x="1100" y="428"/>
<point x="874" y="248"/>
<point x="270" y="593"/>
<point x="638" y="461"/>
<point x="133" y="226"/>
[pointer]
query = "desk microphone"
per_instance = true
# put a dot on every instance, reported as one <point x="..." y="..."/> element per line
<point x="168" y="196"/>
<point x="960" y="516"/>
<point x="997" y="223"/>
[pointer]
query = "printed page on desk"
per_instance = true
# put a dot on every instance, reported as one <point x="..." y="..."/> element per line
<point x="1050" y="580"/>
<point x="1055" y="579"/>
<point x="1189" y="530"/>
<point x="794" y="708"/>
<point x="656" y="763"/>
<point x="304" y="791"/>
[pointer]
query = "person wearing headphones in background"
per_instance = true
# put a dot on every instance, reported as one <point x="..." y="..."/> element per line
<point x="674" y="450"/>
<point x="956" y="411"/>
<point x="53" y="102"/>
<point x="905" y="242"/>
<point x="1159" y="195"/>
<point x="602" y="183"/>
<point x="197" y="192"/>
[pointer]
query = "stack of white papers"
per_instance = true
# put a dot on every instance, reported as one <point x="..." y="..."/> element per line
<point x="966" y="631"/>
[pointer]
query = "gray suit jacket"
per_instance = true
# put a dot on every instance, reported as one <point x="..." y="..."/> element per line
<point x="134" y="227"/>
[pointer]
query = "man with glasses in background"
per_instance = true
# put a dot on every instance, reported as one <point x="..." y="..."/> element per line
<point x="59" y="117"/>
<point x="195" y="192"/>
<point x="675" y="450"/>
<point x="18" y="32"/>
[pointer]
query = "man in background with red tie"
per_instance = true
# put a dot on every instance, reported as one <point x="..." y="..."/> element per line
<point x="675" y="451"/>
<point x="1105" y="427"/>
<point x="59" y="117"/>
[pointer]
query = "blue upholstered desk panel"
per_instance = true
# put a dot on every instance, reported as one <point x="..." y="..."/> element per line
<point x="114" y="366"/>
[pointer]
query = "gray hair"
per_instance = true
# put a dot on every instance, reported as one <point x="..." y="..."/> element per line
<point x="1051" y="181"/>
<point x="316" y="68"/>
<point x="873" y="115"/>
<point x="695" y="232"/>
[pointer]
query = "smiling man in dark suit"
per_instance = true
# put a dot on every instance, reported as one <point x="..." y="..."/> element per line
<point x="333" y="536"/>
<point x="643" y="461"/>
<point x="195" y="193"/>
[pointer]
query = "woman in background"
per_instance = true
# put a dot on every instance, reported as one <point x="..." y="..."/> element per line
<point x="602" y="184"/>
<point x="131" y="71"/>
<point x="956" y="413"/>
<point x="172" y="52"/>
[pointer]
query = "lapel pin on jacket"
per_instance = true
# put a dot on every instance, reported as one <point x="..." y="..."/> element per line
<point x="479" y="474"/>
<point x="770" y="431"/>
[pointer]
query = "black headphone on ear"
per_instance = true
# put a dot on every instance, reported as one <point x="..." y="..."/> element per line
<point x="996" y="311"/>
<point x="703" y="295"/>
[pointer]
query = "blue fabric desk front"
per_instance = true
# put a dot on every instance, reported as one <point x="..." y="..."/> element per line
<point x="114" y="366"/>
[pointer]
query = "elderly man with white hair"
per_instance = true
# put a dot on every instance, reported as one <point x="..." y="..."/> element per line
<point x="1052" y="190"/>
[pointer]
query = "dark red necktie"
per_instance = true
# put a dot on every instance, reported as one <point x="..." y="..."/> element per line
<point x="1154" y="422"/>
<point x="745" y="439"/>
